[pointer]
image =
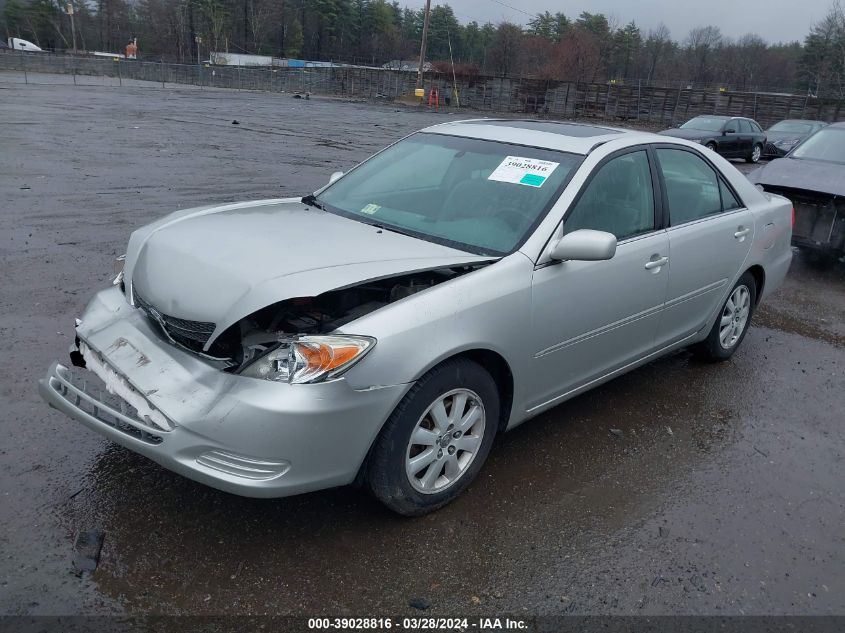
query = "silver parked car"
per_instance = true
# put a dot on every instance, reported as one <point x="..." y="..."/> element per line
<point x="385" y="329"/>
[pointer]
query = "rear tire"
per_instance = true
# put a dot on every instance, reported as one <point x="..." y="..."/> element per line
<point x="731" y="324"/>
<point x="428" y="451"/>
<point x="756" y="153"/>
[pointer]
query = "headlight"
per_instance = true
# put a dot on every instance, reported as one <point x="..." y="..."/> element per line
<point x="305" y="359"/>
<point x="118" y="269"/>
<point x="789" y="143"/>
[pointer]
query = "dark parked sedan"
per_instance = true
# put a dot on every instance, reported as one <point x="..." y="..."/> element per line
<point x="732" y="137"/>
<point x="783" y="136"/>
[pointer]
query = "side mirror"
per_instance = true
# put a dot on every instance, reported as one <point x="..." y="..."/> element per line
<point x="729" y="130"/>
<point x="335" y="176"/>
<point x="585" y="245"/>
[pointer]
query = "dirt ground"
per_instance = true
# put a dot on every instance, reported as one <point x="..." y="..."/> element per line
<point x="722" y="495"/>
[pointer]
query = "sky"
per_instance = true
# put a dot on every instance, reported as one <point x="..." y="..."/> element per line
<point x="774" y="20"/>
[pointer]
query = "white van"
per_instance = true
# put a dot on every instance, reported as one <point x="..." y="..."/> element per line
<point x="18" y="44"/>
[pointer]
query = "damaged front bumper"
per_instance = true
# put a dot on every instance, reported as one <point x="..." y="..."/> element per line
<point x="243" y="435"/>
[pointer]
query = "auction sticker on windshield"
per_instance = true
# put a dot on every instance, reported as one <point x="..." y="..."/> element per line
<point x="523" y="171"/>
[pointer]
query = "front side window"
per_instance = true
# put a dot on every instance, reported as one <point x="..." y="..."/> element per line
<point x="744" y="126"/>
<point x="476" y="195"/>
<point x="619" y="199"/>
<point x="692" y="186"/>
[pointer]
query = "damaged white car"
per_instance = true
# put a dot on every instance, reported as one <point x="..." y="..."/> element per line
<point x="385" y="329"/>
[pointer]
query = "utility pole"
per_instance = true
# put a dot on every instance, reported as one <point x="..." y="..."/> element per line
<point x="72" y="25"/>
<point x="454" y="80"/>
<point x="422" y="44"/>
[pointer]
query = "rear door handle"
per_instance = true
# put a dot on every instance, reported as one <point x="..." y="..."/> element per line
<point x="741" y="232"/>
<point x="656" y="263"/>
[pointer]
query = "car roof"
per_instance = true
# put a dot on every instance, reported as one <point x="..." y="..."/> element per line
<point x="801" y="121"/>
<point x="566" y="136"/>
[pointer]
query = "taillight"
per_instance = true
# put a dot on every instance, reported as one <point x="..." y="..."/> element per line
<point x="793" y="217"/>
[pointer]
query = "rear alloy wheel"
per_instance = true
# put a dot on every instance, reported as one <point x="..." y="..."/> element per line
<point x="437" y="439"/>
<point x="756" y="153"/>
<point x="732" y="323"/>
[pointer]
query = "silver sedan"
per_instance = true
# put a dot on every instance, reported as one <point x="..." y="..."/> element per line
<point x="387" y="328"/>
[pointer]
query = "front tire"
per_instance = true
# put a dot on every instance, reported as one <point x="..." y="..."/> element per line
<point x="436" y="440"/>
<point x="711" y="146"/>
<point x="756" y="153"/>
<point x="732" y="323"/>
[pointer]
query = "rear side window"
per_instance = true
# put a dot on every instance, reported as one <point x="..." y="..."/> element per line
<point x="619" y="199"/>
<point x="693" y="189"/>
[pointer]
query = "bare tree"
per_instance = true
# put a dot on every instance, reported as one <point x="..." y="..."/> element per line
<point x="700" y="43"/>
<point x="657" y="45"/>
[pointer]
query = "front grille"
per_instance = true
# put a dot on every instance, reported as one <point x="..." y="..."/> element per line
<point x="191" y="334"/>
<point x="771" y="150"/>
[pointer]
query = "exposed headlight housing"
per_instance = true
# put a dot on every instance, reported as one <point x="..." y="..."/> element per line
<point x="789" y="143"/>
<point x="309" y="359"/>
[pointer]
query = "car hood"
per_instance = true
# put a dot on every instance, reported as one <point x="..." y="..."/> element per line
<point x="810" y="175"/>
<point x="687" y="134"/>
<point x="220" y="264"/>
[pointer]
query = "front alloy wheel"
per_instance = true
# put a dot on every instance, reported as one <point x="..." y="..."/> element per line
<point x="445" y="441"/>
<point x="436" y="440"/>
<point x="756" y="153"/>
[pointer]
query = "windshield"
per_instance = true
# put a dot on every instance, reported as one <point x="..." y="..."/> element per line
<point x="480" y="196"/>
<point x="705" y="123"/>
<point x="792" y="126"/>
<point x="826" y="144"/>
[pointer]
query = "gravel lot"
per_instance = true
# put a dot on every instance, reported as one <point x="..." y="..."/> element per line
<point x="723" y="495"/>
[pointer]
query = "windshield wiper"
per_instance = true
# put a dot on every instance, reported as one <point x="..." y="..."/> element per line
<point x="311" y="201"/>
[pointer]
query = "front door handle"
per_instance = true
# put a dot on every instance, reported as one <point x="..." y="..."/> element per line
<point x="741" y="233"/>
<point x="656" y="263"/>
